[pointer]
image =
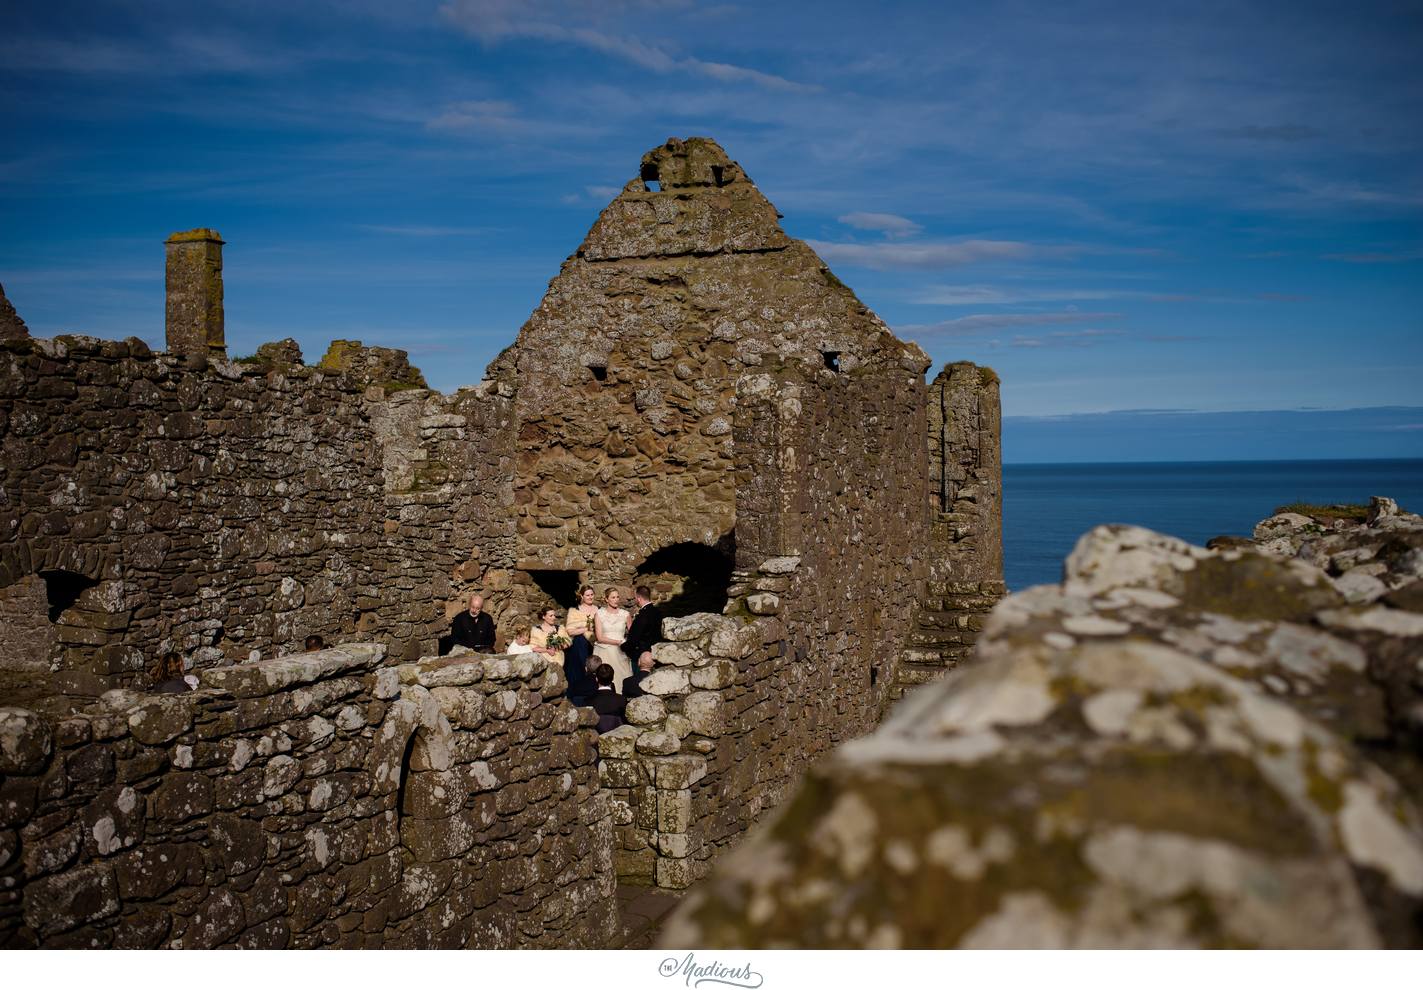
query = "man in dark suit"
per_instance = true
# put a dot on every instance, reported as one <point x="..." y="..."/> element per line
<point x="609" y="705"/>
<point x="646" y="630"/>
<point x="473" y="628"/>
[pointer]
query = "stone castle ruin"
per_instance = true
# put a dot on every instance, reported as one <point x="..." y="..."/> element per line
<point x="698" y="403"/>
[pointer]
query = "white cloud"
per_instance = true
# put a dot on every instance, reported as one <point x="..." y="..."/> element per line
<point x="889" y="224"/>
<point x="886" y="256"/>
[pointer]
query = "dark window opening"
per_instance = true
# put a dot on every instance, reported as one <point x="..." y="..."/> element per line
<point x="689" y="577"/>
<point x="404" y="775"/>
<point x="62" y="589"/>
<point x="560" y="586"/>
<point x="600" y="372"/>
<point x="717" y="176"/>
<point x="832" y="360"/>
<point x="650" y="178"/>
<point x="874" y="675"/>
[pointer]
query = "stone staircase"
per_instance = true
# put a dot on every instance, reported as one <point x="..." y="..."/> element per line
<point x="946" y="627"/>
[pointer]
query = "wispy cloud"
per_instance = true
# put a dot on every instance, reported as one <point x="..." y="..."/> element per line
<point x="496" y="21"/>
<point x="1286" y="133"/>
<point x="997" y="295"/>
<point x="983" y="324"/>
<point x="1375" y="257"/>
<point x="889" y="224"/>
<point x="1067" y="338"/>
<point x="925" y="256"/>
<point x="1353" y="193"/>
<point x="470" y="115"/>
<point x="420" y="230"/>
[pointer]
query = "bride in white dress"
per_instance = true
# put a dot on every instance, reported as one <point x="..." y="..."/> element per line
<point x="610" y="628"/>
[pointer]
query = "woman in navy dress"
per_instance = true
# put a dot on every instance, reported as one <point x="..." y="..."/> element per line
<point x="581" y="685"/>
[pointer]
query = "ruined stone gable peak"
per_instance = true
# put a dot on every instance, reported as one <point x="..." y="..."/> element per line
<point x="688" y="198"/>
<point x="11" y="326"/>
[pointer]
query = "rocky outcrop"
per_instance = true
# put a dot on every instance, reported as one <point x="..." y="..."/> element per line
<point x="1174" y="747"/>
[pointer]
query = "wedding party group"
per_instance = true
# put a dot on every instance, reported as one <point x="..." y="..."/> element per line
<point x="605" y="650"/>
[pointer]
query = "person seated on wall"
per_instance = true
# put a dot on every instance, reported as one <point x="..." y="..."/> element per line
<point x="579" y="626"/>
<point x="609" y="705"/>
<point x="646" y="630"/>
<point x="474" y="628"/>
<point x="168" y="676"/>
<point x="547" y="637"/>
<point x="521" y="642"/>
<point x="315" y="643"/>
<point x="610" y="626"/>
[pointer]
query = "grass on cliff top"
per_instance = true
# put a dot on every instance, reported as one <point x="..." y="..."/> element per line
<point x="1356" y="512"/>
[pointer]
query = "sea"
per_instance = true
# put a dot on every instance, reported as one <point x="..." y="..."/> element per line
<point x="1047" y="507"/>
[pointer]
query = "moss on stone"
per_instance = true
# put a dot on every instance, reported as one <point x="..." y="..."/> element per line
<point x="1254" y="587"/>
<point x="1358" y="513"/>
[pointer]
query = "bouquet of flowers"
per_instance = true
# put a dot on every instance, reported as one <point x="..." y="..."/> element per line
<point x="558" y="641"/>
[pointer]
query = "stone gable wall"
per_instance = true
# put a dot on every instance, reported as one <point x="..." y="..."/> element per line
<point x="239" y="508"/>
<point x="315" y="800"/>
<point x="625" y="376"/>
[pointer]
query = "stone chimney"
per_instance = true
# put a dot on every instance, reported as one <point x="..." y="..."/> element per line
<point x="194" y="317"/>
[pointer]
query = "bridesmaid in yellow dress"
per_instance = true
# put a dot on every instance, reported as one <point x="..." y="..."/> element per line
<point x="579" y="624"/>
<point x="610" y="627"/>
<point x="548" y="629"/>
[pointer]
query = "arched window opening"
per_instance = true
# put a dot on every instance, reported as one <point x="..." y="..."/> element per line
<point x="688" y="577"/>
<point x="62" y="590"/>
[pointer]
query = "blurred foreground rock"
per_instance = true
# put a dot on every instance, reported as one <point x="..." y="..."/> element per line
<point x="1175" y="747"/>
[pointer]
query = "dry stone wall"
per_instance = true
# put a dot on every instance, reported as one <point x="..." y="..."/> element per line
<point x="321" y="799"/>
<point x="236" y="509"/>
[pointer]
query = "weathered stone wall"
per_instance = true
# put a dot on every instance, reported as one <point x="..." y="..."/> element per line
<point x="318" y="799"/>
<point x="626" y="374"/>
<point x="830" y="475"/>
<point x="239" y="508"/>
<point x="966" y="474"/>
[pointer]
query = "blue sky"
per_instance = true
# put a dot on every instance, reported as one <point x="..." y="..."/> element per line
<point x="1208" y="207"/>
